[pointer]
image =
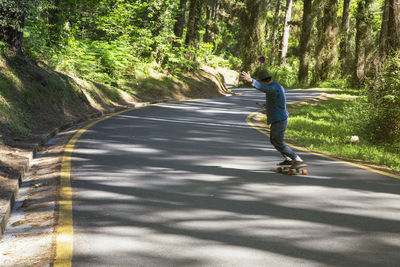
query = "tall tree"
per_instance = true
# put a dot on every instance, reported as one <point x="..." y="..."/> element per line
<point x="364" y="41"/>
<point x="252" y="41"/>
<point x="305" y="42"/>
<point x="212" y="16"/>
<point x="286" y="32"/>
<point x="180" y="20"/>
<point x="275" y="31"/>
<point x="55" y="22"/>
<point x="193" y="22"/>
<point x="326" y="48"/>
<point x="344" y="33"/>
<point x="267" y="28"/>
<point x="384" y="27"/>
<point x="394" y="25"/>
<point x="389" y="39"/>
<point x="12" y="22"/>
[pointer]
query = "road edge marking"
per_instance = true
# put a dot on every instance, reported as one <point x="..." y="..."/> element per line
<point x="264" y="132"/>
<point x="65" y="228"/>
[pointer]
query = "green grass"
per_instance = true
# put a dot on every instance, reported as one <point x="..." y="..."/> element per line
<point x="337" y="91"/>
<point x="327" y="127"/>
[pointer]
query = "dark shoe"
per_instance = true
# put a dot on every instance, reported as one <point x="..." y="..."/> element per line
<point x="286" y="163"/>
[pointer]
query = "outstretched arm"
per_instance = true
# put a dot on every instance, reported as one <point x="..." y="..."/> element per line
<point x="258" y="85"/>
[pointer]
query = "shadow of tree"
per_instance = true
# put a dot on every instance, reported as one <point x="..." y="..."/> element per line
<point x="191" y="184"/>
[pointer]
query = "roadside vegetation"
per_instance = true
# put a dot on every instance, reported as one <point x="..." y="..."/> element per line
<point x="336" y="127"/>
<point x="35" y="99"/>
<point x="67" y="58"/>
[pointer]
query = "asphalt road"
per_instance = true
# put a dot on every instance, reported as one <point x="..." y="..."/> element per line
<point x="191" y="184"/>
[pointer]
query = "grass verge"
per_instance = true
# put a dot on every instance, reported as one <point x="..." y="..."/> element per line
<point x="328" y="126"/>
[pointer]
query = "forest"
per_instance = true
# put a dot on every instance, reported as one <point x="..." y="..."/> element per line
<point x="327" y="43"/>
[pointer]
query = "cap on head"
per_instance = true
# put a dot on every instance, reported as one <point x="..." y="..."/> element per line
<point x="264" y="75"/>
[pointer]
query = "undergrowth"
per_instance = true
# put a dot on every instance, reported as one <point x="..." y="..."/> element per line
<point x="328" y="126"/>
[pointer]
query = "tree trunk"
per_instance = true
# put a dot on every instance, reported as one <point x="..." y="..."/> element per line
<point x="215" y="9"/>
<point x="180" y="19"/>
<point x="274" y="32"/>
<point x="393" y="26"/>
<point x="207" y="35"/>
<point x="344" y="41"/>
<point x="54" y="13"/>
<point x="384" y="28"/>
<point x="363" y="40"/>
<point x="286" y="32"/>
<point x="252" y="41"/>
<point x="267" y="28"/>
<point x="54" y="23"/>
<point x="389" y="40"/>
<point x="191" y="35"/>
<point x="326" y="49"/>
<point x="305" y="42"/>
<point x="212" y="17"/>
<point x="14" y="36"/>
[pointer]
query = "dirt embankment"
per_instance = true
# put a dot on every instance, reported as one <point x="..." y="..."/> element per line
<point x="35" y="100"/>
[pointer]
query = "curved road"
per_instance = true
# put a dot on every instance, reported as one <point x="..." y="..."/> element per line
<point x="191" y="184"/>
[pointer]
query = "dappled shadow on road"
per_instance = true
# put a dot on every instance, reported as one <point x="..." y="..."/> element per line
<point x="199" y="188"/>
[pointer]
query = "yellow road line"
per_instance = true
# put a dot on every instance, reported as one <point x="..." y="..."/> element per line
<point x="261" y="130"/>
<point x="65" y="229"/>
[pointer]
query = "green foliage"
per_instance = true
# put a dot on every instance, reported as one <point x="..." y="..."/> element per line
<point x="12" y="10"/>
<point x="235" y="63"/>
<point x="102" y="61"/>
<point x="175" y="60"/>
<point x="285" y="75"/>
<point x="250" y="32"/>
<point x="123" y="43"/>
<point x="328" y="126"/>
<point x="381" y="108"/>
<point x="3" y="46"/>
<point x="334" y="83"/>
<point x="109" y="41"/>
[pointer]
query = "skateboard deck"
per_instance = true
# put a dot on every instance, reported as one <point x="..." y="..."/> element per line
<point x="292" y="171"/>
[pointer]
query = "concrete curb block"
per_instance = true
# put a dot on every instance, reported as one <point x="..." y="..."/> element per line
<point x="5" y="215"/>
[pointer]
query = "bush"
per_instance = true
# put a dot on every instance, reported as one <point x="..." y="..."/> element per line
<point x="235" y="63"/>
<point x="285" y="75"/>
<point x="381" y="115"/>
<point x="176" y="62"/>
<point x="336" y="83"/>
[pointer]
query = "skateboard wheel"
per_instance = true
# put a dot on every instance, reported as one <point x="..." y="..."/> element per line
<point x="292" y="172"/>
<point x="304" y="171"/>
<point x="279" y="170"/>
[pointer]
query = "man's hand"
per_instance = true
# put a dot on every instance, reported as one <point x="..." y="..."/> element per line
<point x="246" y="77"/>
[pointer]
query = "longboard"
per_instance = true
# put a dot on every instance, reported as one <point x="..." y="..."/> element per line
<point x="292" y="171"/>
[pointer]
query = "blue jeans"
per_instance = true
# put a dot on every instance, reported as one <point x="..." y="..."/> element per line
<point x="277" y="136"/>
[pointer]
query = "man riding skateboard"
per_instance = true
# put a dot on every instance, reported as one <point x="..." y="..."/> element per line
<point x="277" y="115"/>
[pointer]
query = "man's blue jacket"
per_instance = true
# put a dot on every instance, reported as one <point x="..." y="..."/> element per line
<point x="275" y="100"/>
